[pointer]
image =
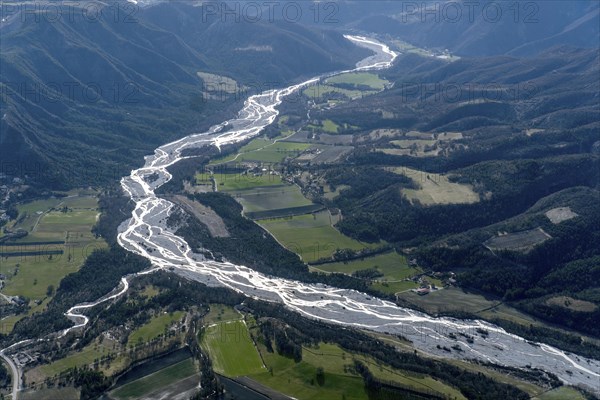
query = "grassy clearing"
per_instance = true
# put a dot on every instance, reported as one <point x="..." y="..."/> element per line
<point x="392" y="265"/>
<point x="310" y="236"/>
<point x="394" y="287"/>
<point x="231" y="349"/>
<point x="272" y="198"/>
<point x="155" y="327"/>
<point x="216" y="83"/>
<point x="405" y="47"/>
<point x="299" y="379"/>
<point x="330" y="126"/>
<point x="149" y="291"/>
<point x="436" y="189"/>
<point x="360" y="78"/>
<point x="220" y="313"/>
<point x="451" y="299"/>
<point x="332" y="194"/>
<point x="157" y="380"/>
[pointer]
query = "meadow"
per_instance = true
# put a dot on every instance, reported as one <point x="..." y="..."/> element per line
<point x="233" y="182"/>
<point x="436" y="189"/>
<point x="265" y="151"/>
<point x="392" y="265"/>
<point x="231" y="349"/>
<point x="84" y="357"/>
<point x="271" y="198"/>
<point x="320" y="91"/>
<point x="311" y="236"/>
<point x="299" y="379"/>
<point x="65" y="222"/>
<point x="359" y="78"/>
<point x="154" y="328"/>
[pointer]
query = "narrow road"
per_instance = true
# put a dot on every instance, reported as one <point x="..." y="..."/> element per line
<point x="16" y="375"/>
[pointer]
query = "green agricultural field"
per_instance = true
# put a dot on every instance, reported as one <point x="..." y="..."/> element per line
<point x="164" y="377"/>
<point x="392" y="265"/>
<point x="320" y="91"/>
<point x="405" y="47"/>
<point x="253" y="145"/>
<point x="311" y="236"/>
<point x="271" y="198"/>
<point x="235" y="182"/>
<point x="32" y="275"/>
<point x="264" y="150"/>
<point x="155" y="327"/>
<point x="299" y="379"/>
<point x="220" y="313"/>
<point x="275" y="153"/>
<point x="360" y="78"/>
<point x="394" y="287"/>
<point x="231" y="349"/>
<point x="450" y="299"/>
<point x="32" y="212"/>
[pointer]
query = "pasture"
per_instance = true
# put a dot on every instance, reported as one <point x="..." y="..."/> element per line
<point x="392" y="265"/>
<point x="436" y="189"/>
<point x="299" y="379"/>
<point x="321" y="91"/>
<point x="154" y="328"/>
<point x="233" y="182"/>
<point x="359" y="78"/>
<point x="220" y="313"/>
<point x="231" y="349"/>
<point x="68" y="222"/>
<point x="311" y="236"/>
<point x="271" y="198"/>
<point x="265" y="151"/>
